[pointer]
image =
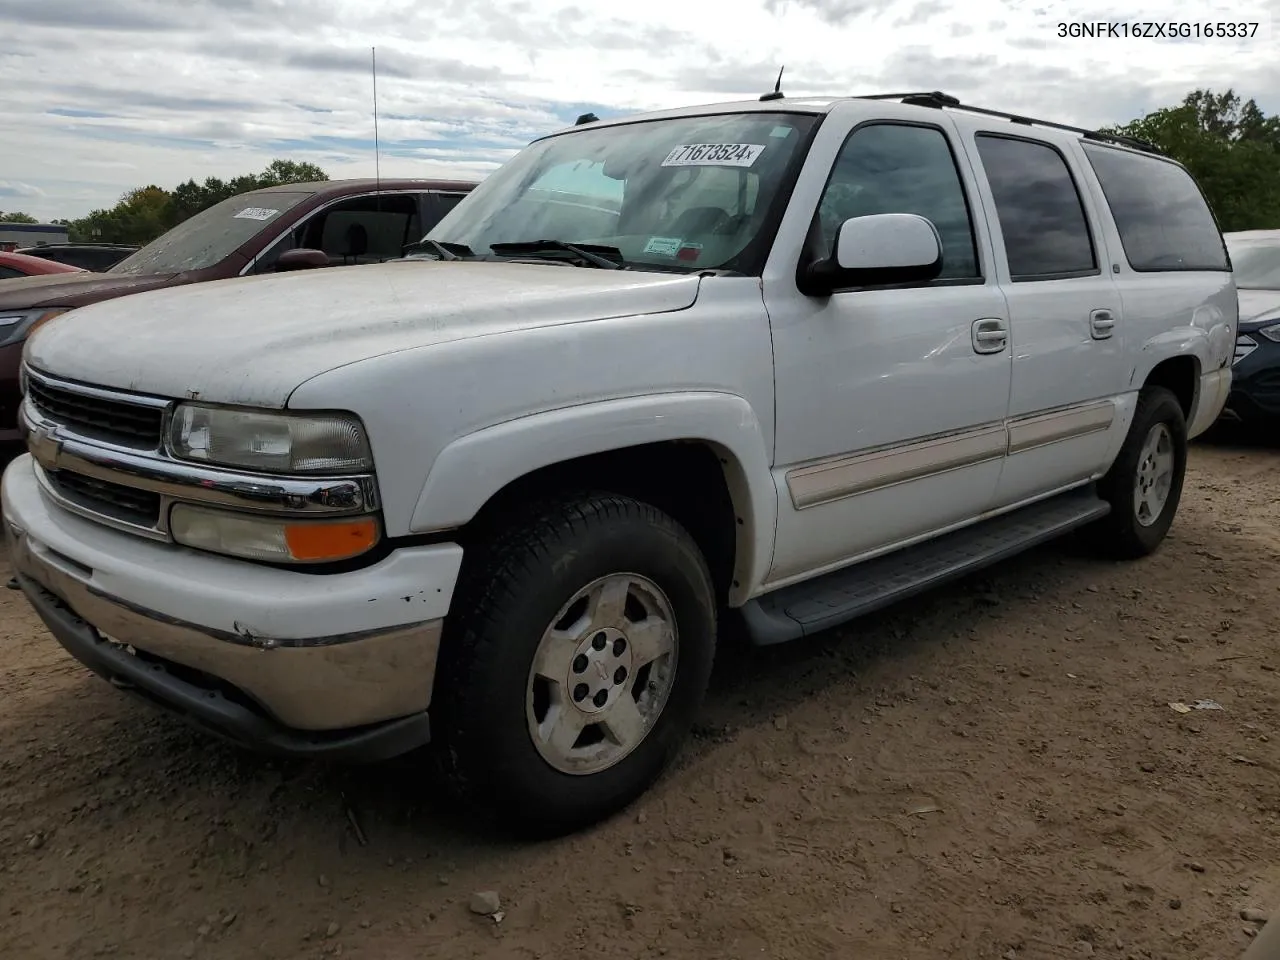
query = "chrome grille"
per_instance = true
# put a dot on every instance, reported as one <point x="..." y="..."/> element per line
<point x="114" y="421"/>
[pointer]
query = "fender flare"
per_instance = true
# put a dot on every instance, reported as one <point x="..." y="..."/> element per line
<point x="471" y="469"/>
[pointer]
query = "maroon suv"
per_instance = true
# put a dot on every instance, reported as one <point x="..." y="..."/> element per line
<point x="294" y="226"/>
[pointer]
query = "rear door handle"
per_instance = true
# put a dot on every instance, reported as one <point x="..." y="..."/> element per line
<point x="990" y="335"/>
<point x="1101" y="324"/>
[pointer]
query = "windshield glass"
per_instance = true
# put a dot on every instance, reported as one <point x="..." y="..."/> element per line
<point x="685" y="194"/>
<point x="210" y="235"/>
<point x="1256" y="264"/>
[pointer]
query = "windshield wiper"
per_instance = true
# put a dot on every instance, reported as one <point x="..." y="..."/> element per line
<point x="443" y="249"/>
<point x="607" y="258"/>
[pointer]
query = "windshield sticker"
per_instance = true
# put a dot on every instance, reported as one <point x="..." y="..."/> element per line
<point x="255" y="213"/>
<point x="781" y="132"/>
<point x="663" y="246"/>
<point x="714" y="155"/>
<point x="689" y="252"/>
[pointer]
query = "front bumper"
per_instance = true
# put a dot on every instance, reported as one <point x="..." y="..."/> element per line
<point x="337" y="665"/>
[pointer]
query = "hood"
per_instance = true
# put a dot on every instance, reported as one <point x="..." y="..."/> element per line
<point x="1258" y="305"/>
<point x="72" y="289"/>
<point x="254" y="340"/>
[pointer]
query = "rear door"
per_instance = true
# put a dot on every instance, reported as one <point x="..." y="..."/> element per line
<point x="1067" y="327"/>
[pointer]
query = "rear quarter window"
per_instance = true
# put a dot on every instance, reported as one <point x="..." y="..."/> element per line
<point x="1161" y="215"/>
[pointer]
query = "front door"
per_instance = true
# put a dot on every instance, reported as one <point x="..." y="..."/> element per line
<point x="890" y="402"/>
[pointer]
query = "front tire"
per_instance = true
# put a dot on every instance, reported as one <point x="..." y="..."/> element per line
<point x="575" y="659"/>
<point x="1144" y="485"/>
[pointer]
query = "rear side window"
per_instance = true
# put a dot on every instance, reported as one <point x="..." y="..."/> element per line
<point x="1162" y="217"/>
<point x="1046" y="236"/>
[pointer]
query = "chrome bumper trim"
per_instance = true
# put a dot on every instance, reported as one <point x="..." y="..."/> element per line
<point x="325" y="683"/>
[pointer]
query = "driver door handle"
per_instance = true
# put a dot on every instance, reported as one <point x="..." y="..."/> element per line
<point x="990" y="335"/>
<point x="1101" y="323"/>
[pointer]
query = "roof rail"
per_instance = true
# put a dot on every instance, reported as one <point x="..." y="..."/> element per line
<point x="938" y="100"/>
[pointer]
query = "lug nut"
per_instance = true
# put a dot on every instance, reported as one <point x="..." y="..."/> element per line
<point x="619" y="646"/>
<point x="601" y="698"/>
<point x="620" y="675"/>
<point x="580" y="663"/>
<point x="599" y="641"/>
<point x="580" y="692"/>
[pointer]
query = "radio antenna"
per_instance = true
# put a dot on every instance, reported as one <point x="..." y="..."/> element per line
<point x="377" y="154"/>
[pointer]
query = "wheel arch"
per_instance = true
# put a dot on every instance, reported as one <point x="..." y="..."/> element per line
<point x="700" y="457"/>
<point x="1180" y="375"/>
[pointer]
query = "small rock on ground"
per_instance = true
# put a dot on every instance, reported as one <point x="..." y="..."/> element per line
<point x="485" y="903"/>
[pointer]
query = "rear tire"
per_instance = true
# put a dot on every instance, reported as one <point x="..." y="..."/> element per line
<point x="574" y="660"/>
<point x="1144" y="485"/>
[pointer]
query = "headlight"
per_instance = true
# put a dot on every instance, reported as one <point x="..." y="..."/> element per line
<point x="1272" y="332"/>
<point x="15" y="326"/>
<point x="272" y="538"/>
<point x="271" y="442"/>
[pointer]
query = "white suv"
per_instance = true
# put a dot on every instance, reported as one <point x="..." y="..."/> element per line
<point x="497" y="498"/>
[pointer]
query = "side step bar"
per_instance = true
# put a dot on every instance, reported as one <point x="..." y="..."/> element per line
<point x="804" y="609"/>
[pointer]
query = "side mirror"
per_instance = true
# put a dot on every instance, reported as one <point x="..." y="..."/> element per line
<point x="875" y="250"/>
<point x="301" y="258"/>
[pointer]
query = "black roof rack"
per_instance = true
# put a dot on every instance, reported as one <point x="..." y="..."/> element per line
<point x="937" y="100"/>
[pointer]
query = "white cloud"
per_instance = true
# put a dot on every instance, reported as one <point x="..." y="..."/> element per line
<point x="108" y="96"/>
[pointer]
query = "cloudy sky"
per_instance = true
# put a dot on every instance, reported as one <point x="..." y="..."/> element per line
<point x="104" y="95"/>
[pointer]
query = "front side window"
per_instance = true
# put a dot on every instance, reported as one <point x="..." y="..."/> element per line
<point x="894" y="168"/>
<point x="685" y="194"/>
<point x="370" y="228"/>
<point x="1041" y="215"/>
<point x="366" y="229"/>
<point x="1160" y="213"/>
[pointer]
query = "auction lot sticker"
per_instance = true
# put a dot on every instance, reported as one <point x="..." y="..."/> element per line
<point x="255" y="213"/>
<point x="714" y="155"/>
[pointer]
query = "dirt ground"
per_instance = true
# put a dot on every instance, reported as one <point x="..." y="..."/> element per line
<point x="992" y="771"/>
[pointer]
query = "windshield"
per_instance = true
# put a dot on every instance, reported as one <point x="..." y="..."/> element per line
<point x="210" y="235"/>
<point x="686" y="194"/>
<point x="1256" y="264"/>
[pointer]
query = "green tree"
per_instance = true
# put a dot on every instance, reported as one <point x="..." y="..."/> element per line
<point x="17" y="216"/>
<point x="1230" y="146"/>
<point x="143" y="214"/>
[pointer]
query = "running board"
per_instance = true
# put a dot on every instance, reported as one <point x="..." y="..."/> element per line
<point x="804" y="609"/>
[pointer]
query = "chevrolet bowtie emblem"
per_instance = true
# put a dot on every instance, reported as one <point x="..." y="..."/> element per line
<point x="44" y="444"/>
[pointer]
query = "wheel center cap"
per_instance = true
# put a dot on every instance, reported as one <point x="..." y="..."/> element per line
<point x="601" y="670"/>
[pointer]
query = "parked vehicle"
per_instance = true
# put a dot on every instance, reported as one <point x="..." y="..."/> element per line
<point x="95" y="257"/>
<point x="788" y="360"/>
<point x="291" y="227"/>
<point x="1255" y="388"/>
<point x="30" y="234"/>
<point x="14" y="265"/>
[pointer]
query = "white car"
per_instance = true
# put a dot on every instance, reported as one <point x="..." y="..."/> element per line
<point x="788" y="360"/>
